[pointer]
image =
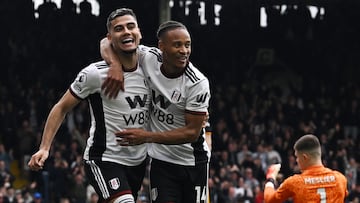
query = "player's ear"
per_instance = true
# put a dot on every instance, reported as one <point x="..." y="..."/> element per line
<point x="108" y="36"/>
<point x="305" y="156"/>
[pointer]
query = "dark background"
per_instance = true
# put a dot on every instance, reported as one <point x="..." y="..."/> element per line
<point x="297" y="75"/>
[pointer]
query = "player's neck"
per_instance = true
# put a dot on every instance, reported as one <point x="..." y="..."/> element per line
<point x="313" y="163"/>
<point x="171" y="71"/>
<point x="129" y="61"/>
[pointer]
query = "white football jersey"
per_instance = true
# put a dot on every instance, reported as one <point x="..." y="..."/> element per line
<point x="129" y="110"/>
<point x="171" y="99"/>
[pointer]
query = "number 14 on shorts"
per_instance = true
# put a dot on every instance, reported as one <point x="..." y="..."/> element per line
<point x="201" y="194"/>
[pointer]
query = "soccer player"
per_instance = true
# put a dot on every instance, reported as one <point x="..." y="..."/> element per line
<point x="116" y="172"/>
<point x="180" y="99"/>
<point x="315" y="184"/>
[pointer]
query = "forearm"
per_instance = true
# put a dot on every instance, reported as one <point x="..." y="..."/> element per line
<point x="52" y="125"/>
<point x="176" y="136"/>
<point x="115" y="79"/>
<point x="269" y="192"/>
<point x="273" y="194"/>
<point x="108" y="54"/>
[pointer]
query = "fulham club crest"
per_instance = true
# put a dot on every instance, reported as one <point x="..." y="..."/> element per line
<point x="114" y="183"/>
<point x="154" y="194"/>
<point x="176" y="95"/>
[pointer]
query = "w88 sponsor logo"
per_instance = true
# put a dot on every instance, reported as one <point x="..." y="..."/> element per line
<point x="139" y="118"/>
<point x="163" y="117"/>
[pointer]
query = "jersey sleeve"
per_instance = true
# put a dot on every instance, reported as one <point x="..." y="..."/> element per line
<point x="198" y="97"/>
<point x="145" y="52"/>
<point x="86" y="82"/>
<point x="284" y="191"/>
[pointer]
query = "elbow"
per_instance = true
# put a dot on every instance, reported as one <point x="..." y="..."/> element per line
<point x="103" y="42"/>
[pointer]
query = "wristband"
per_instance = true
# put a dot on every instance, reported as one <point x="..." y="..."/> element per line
<point x="272" y="180"/>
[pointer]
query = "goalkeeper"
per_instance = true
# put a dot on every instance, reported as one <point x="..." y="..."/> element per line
<point x="315" y="184"/>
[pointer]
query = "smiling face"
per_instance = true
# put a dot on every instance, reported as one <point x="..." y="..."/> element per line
<point x="176" y="48"/>
<point x="124" y="34"/>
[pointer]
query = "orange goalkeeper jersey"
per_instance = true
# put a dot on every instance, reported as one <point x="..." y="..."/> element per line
<point x="317" y="184"/>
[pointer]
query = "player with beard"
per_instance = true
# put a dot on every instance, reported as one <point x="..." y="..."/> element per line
<point x="116" y="172"/>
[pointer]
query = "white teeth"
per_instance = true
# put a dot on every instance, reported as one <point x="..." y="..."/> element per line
<point x="127" y="40"/>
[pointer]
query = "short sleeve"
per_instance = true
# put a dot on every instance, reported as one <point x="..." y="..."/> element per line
<point x="198" y="97"/>
<point x="86" y="82"/>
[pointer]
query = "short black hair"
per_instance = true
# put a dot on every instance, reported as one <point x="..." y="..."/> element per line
<point x="168" y="25"/>
<point x="119" y="12"/>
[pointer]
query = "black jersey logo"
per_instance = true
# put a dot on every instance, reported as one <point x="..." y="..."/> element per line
<point x="164" y="103"/>
<point x="136" y="100"/>
<point x="201" y="98"/>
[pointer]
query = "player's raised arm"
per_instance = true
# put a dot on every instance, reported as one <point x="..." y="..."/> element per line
<point x="115" y="78"/>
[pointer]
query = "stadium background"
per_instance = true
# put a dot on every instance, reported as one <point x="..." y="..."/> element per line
<point x="278" y="69"/>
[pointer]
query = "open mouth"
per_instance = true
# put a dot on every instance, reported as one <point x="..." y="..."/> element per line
<point x="182" y="59"/>
<point x="128" y="41"/>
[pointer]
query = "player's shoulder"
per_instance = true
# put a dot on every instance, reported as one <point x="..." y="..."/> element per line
<point x="99" y="65"/>
<point x="93" y="71"/>
<point x="194" y="74"/>
<point x="96" y="66"/>
<point x="293" y="182"/>
<point x="296" y="177"/>
<point x="149" y="50"/>
<point x="338" y="174"/>
<point x="145" y="48"/>
<point x="149" y="54"/>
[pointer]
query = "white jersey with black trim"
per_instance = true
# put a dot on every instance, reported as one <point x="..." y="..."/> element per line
<point x="129" y="110"/>
<point x="171" y="99"/>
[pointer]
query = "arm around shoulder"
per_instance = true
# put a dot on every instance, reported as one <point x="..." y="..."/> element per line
<point x="115" y="79"/>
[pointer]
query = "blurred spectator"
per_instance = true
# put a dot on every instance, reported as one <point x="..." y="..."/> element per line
<point x="37" y="197"/>
<point x="243" y="192"/>
<point x="243" y="154"/>
<point x="352" y="173"/>
<point x="78" y="189"/>
<point x="27" y="142"/>
<point x="93" y="198"/>
<point x="3" y="198"/>
<point x="6" y="177"/>
<point x="354" y="195"/>
<point x="90" y="191"/>
<point x="5" y="156"/>
<point x="249" y="179"/>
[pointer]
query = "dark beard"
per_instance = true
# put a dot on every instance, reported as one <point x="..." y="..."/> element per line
<point x="129" y="52"/>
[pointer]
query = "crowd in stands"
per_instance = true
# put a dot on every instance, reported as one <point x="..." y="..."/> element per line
<point x="269" y="86"/>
